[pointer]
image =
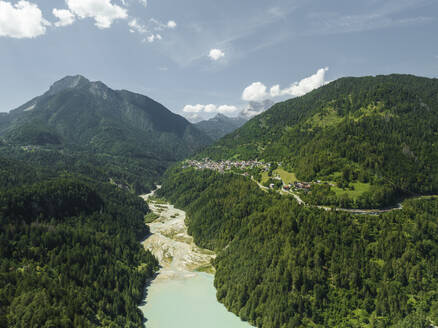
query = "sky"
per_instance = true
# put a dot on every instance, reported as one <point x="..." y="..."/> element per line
<point x="203" y="57"/>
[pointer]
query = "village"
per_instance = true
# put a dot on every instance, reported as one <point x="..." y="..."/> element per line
<point x="244" y="167"/>
<point x="222" y="166"/>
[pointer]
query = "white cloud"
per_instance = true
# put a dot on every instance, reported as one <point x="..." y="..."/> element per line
<point x="226" y="109"/>
<point x="150" y="29"/>
<point x="102" y="11"/>
<point x="210" y="108"/>
<point x="307" y="84"/>
<point x="255" y="92"/>
<point x="275" y="91"/>
<point x="216" y="54"/>
<point x="260" y="99"/>
<point x="144" y="2"/>
<point x="193" y="109"/>
<point x="160" y="26"/>
<point x="151" y="38"/>
<point x="22" y="20"/>
<point x="65" y="17"/>
<point x="171" y="24"/>
<point x="255" y="108"/>
<point x="136" y="27"/>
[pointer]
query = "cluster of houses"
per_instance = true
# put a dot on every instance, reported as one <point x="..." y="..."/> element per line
<point x="227" y="165"/>
<point x="222" y="166"/>
<point x="295" y="185"/>
<point x="302" y="185"/>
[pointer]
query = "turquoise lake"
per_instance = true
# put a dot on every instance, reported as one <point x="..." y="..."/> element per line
<point x="187" y="303"/>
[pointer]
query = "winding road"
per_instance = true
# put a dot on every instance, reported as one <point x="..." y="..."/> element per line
<point x="399" y="206"/>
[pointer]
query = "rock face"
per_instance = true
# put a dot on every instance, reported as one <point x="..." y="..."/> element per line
<point x="220" y="125"/>
<point x="76" y="111"/>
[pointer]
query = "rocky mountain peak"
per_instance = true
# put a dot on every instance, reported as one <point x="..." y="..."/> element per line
<point x="68" y="82"/>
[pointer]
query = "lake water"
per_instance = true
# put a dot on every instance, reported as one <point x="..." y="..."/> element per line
<point x="187" y="303"/>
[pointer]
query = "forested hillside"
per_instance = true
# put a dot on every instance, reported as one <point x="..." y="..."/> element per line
<point x="78" y="121"/>
<point x="69" y="250"/>
<point x="280" y="264"/>
<point x="131" y="174"/>
<point x="381" y="131"/>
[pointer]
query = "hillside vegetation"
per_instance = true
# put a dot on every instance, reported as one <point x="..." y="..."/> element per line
<point x="381" y="131"/>
<point x="284" y="265"/>
<point x="69" y="250"/>
<point x="129" y="136"/>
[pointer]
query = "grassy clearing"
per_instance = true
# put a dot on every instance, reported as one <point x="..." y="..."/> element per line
<point x="157" y="200"/>
<point x="265" y="177"/>
<point x="150" y="217"/>
<point x="287" y="177"/>
<point x="327" y="117"/>
<point x="359" y="189"/>
<point x="207" y="268"/>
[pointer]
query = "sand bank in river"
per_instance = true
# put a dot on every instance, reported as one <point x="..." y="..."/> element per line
<point x="170" y="243"/>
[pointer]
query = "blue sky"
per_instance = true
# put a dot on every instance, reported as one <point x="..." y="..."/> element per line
<point x="205" y="56"/>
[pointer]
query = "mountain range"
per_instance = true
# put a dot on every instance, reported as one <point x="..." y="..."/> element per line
<point x="87" y="128"/>
<point x="90" y="115"/>
<point x="220" y="125"/>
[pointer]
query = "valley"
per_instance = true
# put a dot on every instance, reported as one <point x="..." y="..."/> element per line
<point x="182" y="293"/>
<point x="287" y="221"/>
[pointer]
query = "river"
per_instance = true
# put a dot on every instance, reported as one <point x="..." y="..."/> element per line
<point x="182" y="294"/>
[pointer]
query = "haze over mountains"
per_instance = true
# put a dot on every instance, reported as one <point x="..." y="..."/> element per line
<point x="220" y="125"/>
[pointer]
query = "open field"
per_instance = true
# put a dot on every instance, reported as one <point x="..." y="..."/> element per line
<point x="287" y="177"/>
<point x="359" y="189"/>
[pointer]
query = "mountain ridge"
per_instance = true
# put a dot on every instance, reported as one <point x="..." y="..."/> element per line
<point x="79" y="111"/>
<point x="376" y="130"/>
<point x="220" y="125"/>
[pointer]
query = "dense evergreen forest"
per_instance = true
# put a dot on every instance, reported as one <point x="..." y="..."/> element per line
<point x="131" y="174"/>
<point x="381" y="131"/>
<point x="280" y="264"/>
<point x="69" y="249"/>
